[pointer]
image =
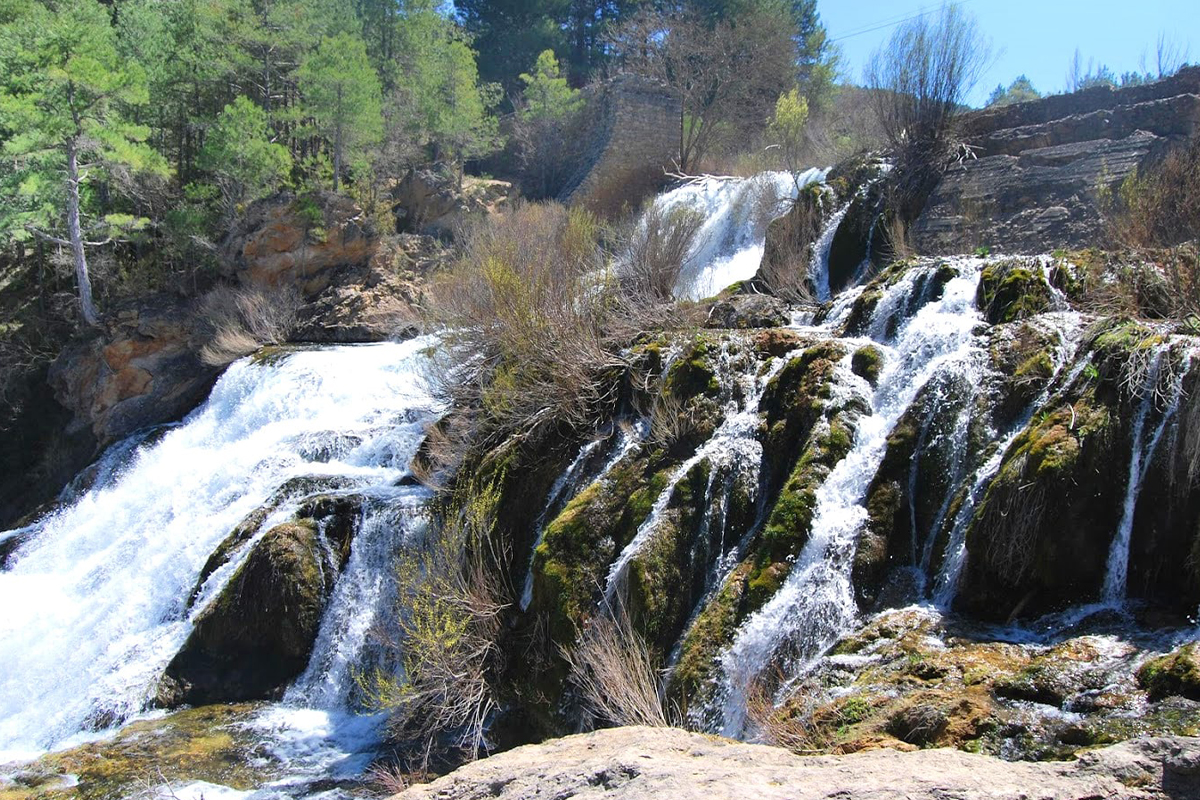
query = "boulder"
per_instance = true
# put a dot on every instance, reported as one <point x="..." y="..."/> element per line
<point x="741" y="311"/>
<point x="256" y="635"/>
<point x="649" y="763"/>
<point x="1175" y="674"/>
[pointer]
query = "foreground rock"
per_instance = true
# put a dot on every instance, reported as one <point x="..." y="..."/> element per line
<point x="650" y="763"/>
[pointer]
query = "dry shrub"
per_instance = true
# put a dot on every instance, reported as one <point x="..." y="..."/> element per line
<point x="240" y="320"/>
<point x="524" y="311"/>
<point x="615" y="674"/>
<point x="800" y="725"/>
<point x="618" y="192"/>
<point x="1161" y="206"/>
<point x="656" y="251"/>
<point x="449" y="604"/>
<point x="789" y="252"/>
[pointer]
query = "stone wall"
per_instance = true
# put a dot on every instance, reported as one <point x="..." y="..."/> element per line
<point x="635" y="136"/>
<point x="1038" y="173"/>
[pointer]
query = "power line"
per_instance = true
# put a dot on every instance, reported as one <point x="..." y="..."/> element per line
<point x="891" y="21"/>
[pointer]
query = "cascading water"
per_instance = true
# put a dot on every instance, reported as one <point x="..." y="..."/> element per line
<point x="818" y="270"/>
<point x="731" y="240"/>
<point x="96" y="599"/>
<point x="1141" y="455"/>
<point x="733" y="448"/>
<point x="816" y="603"/>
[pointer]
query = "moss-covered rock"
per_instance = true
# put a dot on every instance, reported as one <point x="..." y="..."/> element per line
<point x="256" y="635"/>
<point x="1012" y="290"/>
<point x="1175" y="674"/>
<point x="867" y="362"/>
<point x="210" y="743"/>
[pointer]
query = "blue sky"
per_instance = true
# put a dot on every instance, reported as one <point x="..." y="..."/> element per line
<point x="1035" y="37"/>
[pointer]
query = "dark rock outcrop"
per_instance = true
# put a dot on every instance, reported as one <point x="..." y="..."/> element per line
<point x="433" y="201"/>
<point x="256" y="635"/>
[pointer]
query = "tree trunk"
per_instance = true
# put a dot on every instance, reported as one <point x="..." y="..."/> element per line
<point x="86" y="305"/>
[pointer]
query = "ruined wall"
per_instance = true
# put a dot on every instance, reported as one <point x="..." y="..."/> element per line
<point x="635" y="135"/>
<point x="1038" y="172"/>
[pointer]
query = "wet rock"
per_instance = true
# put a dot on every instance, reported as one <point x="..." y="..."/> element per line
<point x="1012" y="290"/>
<point x="741" y="311"/>
<point x="256" y="635"/>
<point x="1175" y="674"/>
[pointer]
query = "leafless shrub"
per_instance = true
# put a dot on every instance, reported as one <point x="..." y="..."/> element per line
<point x="671" y="422"/>
<point x="919" y="81"/>
<point x="450" y="601"/>
<point x="656" y="251"/>
<point x="728" y="75"/>
<point x="240" y="320"/>
<point x="612" y="668"/>
<point x="524" y="312"/>
<point x="1161" y="206"/>
<point x="798" y="725"/>
<point x="784" y="270"/>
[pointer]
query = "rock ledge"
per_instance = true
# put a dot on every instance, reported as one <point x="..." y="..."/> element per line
<point x="654" y="763"/>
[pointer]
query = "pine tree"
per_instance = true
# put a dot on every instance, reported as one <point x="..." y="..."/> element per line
<point x="241" y="157"/>
<point x="342" y="98"/>
<point x="64" y="99"/>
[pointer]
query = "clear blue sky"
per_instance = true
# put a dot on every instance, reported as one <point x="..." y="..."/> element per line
<point x="1034" y="37"/>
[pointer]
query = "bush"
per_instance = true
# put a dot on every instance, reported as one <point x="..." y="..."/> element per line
<point x="524" y="311"/>
<point x="1161" y="207"/>
<point x="241" y="320"/>
<point x="655" y="252"/>
<point x="449" y="606"/>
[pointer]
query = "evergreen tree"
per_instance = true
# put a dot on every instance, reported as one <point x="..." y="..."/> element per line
<point x="547" y="95"/>
<point x="240" y="155"/>
<point x="547" y="113"/>
<point x="64" y="100"/>
<point x="1019" y="91"/>
<point x="509" y="34"/>
<point x="342" y="98"/>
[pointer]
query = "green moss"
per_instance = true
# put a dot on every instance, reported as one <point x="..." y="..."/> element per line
<point x="694" y="373"/>
<point x="712" y="630"/>
<point x="867" y="362"/>
<point x="1177" y="673"/>
<point x="1012" y="290"/>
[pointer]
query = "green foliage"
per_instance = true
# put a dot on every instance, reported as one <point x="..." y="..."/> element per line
<point x="786" y="129"/>
<point x="547" y="95"/>
<point x="240" y="155"/>
<point x="342" y="97"/>
<point x="1019" y="91"/>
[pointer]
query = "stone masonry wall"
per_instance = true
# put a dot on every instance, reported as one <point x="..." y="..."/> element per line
<point x="635" y="135"/>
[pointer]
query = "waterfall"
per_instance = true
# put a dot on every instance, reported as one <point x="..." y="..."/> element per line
<point x="1068" y="327"/>
<point x="733" y="446"/>
<point x="568" y="484"/>
<point x="818" y="269"/>
<point x="96" y="598"/>
<point x="1141" y="455"/>
<point x="816" y="603"/>
<point x="736" y="211"/>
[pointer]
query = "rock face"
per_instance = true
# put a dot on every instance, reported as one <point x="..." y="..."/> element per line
<point x="289" y="240"/>
<point x="256" y="635"/>
<point x="1040" y="171"/>
<point x="654" y="763"/>
<point x="432" y="200"/>
<point x="143" y="369"/>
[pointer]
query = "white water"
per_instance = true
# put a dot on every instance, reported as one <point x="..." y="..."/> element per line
<point x="736" y="212"/>
<point x="818" y="269"/>
<point x="1116" y="575"/>
<point x="816" y="603"/>
<point x="95" y="603"/>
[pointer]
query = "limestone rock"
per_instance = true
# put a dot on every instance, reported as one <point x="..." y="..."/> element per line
<point x="743" y="311"/>
<point x="654" y="763"/>
<point x="431" y="200"/>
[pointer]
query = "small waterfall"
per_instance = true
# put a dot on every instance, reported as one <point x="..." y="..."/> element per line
<point x="816" y="602"/>
<point x="96" y="600"/>
<point x="736" y="212"/>
<point x="1141" y="455"/>
<point x="1068" y="326"/>
<point x="733" y="448"/>
<point x="818" y="269"/>
<point x="568" y="483"/>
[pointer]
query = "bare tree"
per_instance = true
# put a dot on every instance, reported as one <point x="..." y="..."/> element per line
<point x="728" y="75"/>
<point x="921" y="77"/>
